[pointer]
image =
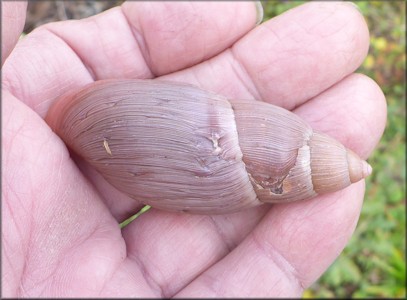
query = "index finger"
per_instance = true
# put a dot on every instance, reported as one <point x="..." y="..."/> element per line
<point x="136" y="40"/>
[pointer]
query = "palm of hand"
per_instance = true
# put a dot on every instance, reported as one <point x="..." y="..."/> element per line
<point x="61" y="235"/>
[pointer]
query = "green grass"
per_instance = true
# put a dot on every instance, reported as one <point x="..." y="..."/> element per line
<point x="129" y="220"/>
<point x="373" y="263"/>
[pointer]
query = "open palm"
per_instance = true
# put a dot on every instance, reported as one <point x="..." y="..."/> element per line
<point x="60" y="232"/>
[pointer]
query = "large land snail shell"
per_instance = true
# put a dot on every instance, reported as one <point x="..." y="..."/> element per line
<point x="177" y="147"/>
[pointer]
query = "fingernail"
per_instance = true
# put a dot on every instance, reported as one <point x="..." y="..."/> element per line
<point x="259" y="12"/>
<point x="354" y="5"/>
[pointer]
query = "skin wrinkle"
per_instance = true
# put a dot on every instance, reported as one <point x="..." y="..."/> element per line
<point x="291" y="272"/>
<point x="245" y="70"/>
<point x="147" y="73"/>
<point x="339" y="28"/>
<point x="149" y="62"/>
<point x="100" y="194"/>
<point x="296" y="93"/>
<point x="205" y="45"/>
<point x="69" y="250"/>
<point x="306" y="214"/>
<point x="138" y="35"/>
<point x="34" y="290"/>
<point x="59" y="172"/>
<point x="8" y="84"/>
<point x="358" y="130"/>
<point x="6" y="251"/>
<point x="21" y="292"/>
<point x="29" y="243"/>
<point x="72" y="250"/>
<point x="90" y="173"/>
<point x="81" y="239"/>
<point x="6" y="258"/>
<point x="202" y="24"/>
<point x="111" y="51"/>
<point x="28" y="94"/>
<point x="108" y="279"/>
<point x="291" y="226"/>
<point x="166" y="287"/>
<point x="270" y="28"/>
<point x="149" y="279"/>
<point x="7" y="198"/>
<point x="304" y="282"/>
<point x="310" y="30"/>
<point x="335" y="128"/>
<point x="90" y="70"/>
<point x="219" y="232"/>
<point x="353" y="119"/>
<point x="48" y="141"/>
<point x="9" y="207"/>
<point x="182" y="35"/>
<point x="57" y="214"/>
<point x="11" y="13"/>
<point x="212" y="284"/>
<point x="169" y="291"/>
<point x="338" y="233"/>
<point x="241" y="73"/>
<point x="21" y="288"/>
<point x="100" y="43"/>
<point x="39" y="286"/>
<point x="364" y="154"/>
<point x="289" y="232"/>
<point x="9" y="141"/>
<point x="227" y="246"/>
<point x="348" y="40"/>
<point x="196" y="77"/>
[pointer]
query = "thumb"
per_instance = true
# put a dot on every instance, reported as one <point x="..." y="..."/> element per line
<point x="13" y="18"/>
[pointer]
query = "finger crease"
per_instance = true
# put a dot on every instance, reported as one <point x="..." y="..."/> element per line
<point x="87" y="66"/>
<point x="243" y="75"/>
<point x="222" y="237"/>
<point x="280" y="261"/>
<point x="149" y="279"/>
<point x="138" y="36"/>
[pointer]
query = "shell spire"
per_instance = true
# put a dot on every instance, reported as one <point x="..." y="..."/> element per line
<point x="358" y="168"/>
<point x="333" y="166"/>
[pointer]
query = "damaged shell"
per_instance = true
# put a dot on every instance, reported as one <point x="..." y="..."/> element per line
<point x="177" y="147"/>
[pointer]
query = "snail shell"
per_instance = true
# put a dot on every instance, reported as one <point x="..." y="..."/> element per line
<point x="177" y="147"/>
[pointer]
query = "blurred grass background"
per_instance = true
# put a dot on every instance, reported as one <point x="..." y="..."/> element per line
<point x="373" y="263"/>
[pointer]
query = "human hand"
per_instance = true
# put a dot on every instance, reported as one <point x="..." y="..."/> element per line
<point x="60" y="231"/>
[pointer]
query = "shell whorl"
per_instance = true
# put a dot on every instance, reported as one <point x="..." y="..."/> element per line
<point x="177" y="147"/>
